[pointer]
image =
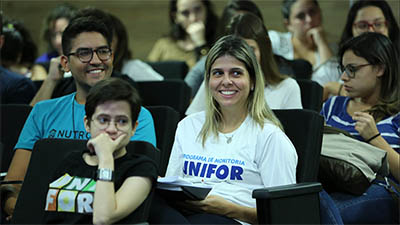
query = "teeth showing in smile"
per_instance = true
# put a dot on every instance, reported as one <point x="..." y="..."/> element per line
<point x="95" y="71"/>
<point x="227" y="92"/>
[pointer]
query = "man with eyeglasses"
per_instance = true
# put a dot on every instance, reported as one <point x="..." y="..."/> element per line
<point x="59" y="82"/>
<point x="87" y="55"/>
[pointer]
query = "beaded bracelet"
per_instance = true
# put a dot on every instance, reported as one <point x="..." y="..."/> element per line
<point x="373" y="137"/>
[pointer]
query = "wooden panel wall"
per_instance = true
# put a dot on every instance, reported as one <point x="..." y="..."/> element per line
<point x="147" y="20"/>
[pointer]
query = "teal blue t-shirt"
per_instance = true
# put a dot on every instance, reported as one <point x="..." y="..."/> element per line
<point x="63" y="118"/>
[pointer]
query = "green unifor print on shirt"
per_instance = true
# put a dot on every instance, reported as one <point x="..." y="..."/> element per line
<point x="71" y="194"/>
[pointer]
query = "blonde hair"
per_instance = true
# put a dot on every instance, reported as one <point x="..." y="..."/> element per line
<point x="256" y="106"/>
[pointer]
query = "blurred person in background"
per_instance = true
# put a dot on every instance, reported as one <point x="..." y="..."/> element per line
<point x="366" y="16"/>
<point x="136" y="69"/>
<point x="14" y="87"/>
<point x="55" y="23"/>
<point x="193" y="26"/>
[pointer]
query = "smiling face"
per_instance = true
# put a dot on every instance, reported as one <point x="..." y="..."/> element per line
<point x="304" y="15"/>
<point x="365" y="82"/>
<point x="371" y="15"/>
<point x="190" y="11"/>
<point x="87" y="74"/>
<point x="112" y="118"/>
<point x="229" y="82"/>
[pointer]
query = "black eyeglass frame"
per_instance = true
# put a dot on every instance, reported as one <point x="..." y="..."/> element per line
<point x="351" y="70"/>
<point x="76" y="53"/>
<point x="101" y="126"/>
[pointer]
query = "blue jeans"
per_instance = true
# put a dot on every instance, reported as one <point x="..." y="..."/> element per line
<point x="376" y="205"/>
<point x="329" y="213"/>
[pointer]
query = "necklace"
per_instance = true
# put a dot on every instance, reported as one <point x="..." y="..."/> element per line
<point x="73" y="115"/>
<point x="229" y="137"/>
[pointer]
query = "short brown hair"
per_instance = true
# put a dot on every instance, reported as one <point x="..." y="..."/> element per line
<point x="113" y="89"/>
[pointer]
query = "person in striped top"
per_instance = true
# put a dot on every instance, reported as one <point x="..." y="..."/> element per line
<point x="369" y="66"/>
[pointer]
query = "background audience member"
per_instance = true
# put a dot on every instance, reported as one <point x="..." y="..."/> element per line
<point x="136" y="69"/>
<point x="14" y="88"/>
<point x="371" y="16"/>
<point x="29" y="50"/>
<point x="305" y="39"/>
<point x="87" y="54"/>
<point x="195" y="76"/>
<point x="112" y="108"/>
<point x="281" y="91"/>
<point x="233" y="8"/>
<point x="11" y="52"/>
<point x="237" y="125"/>
<point x="371" y="112"/>
<point x="366" y="16"/>
<point x="193" y="27"/>
<point x="55" y="24"/>
<point x="20" y="52"/>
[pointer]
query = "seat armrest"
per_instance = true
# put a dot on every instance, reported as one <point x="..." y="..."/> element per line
<point x="287" y="190"/>
<point x="288" y="204"/>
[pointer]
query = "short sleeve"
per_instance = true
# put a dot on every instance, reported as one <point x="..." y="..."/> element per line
<point x="293" y="95"/>
<point x="32" y="130"/>
<point x="276" y="158"/>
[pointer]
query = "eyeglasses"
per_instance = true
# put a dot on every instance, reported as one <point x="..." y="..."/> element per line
<point x="364" y="26"/>
<point x="85" y="55"/>
<point x="350" y="70"/>
<point x="103" y="122"/>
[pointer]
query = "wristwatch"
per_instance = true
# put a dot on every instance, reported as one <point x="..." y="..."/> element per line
<point x="105" y="174"/>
